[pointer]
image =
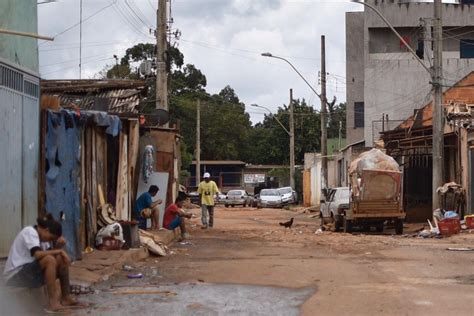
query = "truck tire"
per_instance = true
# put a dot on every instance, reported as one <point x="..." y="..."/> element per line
<point x="337" y="225"/>
<point x="347" y="225"/>
<point x="379" y="228"/>
<point x="399" y="226"/>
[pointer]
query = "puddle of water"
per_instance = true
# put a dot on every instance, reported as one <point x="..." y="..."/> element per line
<point x="200" y="299"/>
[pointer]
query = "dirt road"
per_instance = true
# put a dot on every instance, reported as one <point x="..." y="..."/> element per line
<point x="249" y="265"/>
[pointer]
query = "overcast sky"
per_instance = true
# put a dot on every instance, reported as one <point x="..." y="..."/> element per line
<point x="223" y="38"/>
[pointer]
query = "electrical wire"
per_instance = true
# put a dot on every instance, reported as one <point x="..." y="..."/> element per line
<point x="78" y="23"/>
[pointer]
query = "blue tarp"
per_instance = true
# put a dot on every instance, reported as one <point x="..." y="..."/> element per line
<point x="62" y="178"/>
<point x="63" y="156"/>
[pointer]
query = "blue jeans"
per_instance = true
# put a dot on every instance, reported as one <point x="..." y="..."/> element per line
<point x="175" y="223"/>
<point x="207" y="215"/>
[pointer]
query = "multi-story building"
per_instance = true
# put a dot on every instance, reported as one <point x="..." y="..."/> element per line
<point x="19" y="119"/>
<point x="384" y="80"/>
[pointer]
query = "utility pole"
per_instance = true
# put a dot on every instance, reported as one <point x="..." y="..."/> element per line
<point x="438" y="109"/>
<point x="292" y="143"/>
<point x="198" y="142"/>
<point x="340" y="136"/>
<point x="161" y="48"/>
<point x="324" y="133"/>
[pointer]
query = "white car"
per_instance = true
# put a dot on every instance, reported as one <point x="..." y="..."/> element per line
<point x="270" y="198"/>
<point x="236" y="197"/>
<point x="288" y="195"/>
<point x="335" y="206"/>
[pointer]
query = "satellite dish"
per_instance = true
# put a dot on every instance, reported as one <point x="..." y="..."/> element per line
<point x="157" y="117"/>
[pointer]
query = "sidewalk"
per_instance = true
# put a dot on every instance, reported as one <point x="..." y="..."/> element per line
<point x="99" y="265"/>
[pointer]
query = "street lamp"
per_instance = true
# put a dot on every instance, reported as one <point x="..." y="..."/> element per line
<point x="290" y="133"/>
<point x="324" y="161"/>
<point x="276" y="118"/>
<point x="267" y="54"/>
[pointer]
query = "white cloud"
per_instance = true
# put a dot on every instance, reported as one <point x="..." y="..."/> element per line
<point x="223" y="38"/>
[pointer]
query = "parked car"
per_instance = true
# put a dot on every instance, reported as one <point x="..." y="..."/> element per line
<point x="335" y="206"/>
<point x="236" y="197"/>
<point x="270" y="198"/>
<point x="194" y="197"/>
<point x="288" y="195"/>
<point x="220" y="198"/>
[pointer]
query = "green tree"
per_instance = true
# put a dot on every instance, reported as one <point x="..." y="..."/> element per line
<point x="273" y="142"/>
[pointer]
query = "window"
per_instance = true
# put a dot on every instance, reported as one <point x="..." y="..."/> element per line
<point x="466" y="48"/>
<point x="358" y="114"/>
<point x="420" y="50"/>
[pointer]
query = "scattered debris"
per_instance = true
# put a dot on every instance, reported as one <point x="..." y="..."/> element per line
<point x="81" y="290"/>
<point x="135" y="276"/>
<point x="461" y="249"/>
<point x="159" y="292"/>
<point x="126" y="267"/>
<point x="319" y="231"/>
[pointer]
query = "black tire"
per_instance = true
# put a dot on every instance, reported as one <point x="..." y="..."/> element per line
<point x="337" y="225"/>
<point x="321" y="219"/>
<point x="227" y="205"/>
<point x="232" y="205"/>
<point x="245" y="205"/>
<point x="347" y="225"/>
<point x="379" y="228"/>
<point x="399" y="226"/>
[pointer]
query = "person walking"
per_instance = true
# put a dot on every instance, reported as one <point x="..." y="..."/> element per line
<point x="207" y="189"/>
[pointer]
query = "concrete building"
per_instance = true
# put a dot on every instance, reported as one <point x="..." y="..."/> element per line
<point x="19" y="120"/>
<point x="384" y="81"/>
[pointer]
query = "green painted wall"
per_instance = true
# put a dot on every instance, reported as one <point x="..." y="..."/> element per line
<point x="19" y="15"/>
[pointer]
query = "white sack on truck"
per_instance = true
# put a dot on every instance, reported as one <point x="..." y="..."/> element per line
<point x="373" y="159"/>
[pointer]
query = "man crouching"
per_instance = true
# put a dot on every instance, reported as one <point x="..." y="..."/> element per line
<point x="174" y="216"/>
<point x="33" y="264"/>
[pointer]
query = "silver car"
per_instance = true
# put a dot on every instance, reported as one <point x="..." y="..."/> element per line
<point x="270" y="198"/>
<point x="236" y="197"/>
<point x="288" y="195"/>
<point x="335" y="206"/>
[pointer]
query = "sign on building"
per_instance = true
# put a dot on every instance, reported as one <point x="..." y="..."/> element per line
<point x="254" y="178"/>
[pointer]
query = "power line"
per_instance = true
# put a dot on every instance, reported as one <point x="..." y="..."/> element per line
<point x="138" y="14"/>
<point x="83" y="20"/>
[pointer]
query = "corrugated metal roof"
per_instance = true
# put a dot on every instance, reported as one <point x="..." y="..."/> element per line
<point x="116" y="96"/>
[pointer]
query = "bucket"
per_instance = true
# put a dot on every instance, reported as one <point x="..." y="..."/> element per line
<point x="449" y="226"/>
<point x="469" y="219"/>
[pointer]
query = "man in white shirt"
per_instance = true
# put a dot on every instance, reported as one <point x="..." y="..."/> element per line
<point x="30" y="265"/>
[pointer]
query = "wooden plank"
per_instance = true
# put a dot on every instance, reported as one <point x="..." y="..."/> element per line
<point x="101" y="161"/>
<point x="307" y="188"/>
<point x="133" y="152"/>
<point x="88" y="187"/>
<point x="93" y="191"/>
<point x="122" y="180"/>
